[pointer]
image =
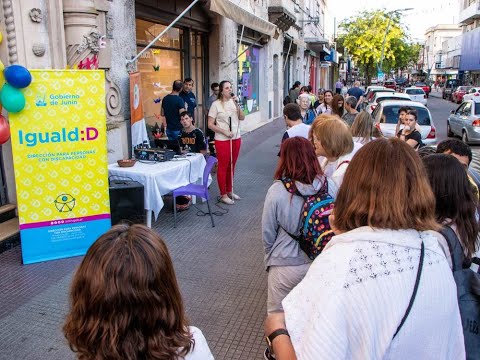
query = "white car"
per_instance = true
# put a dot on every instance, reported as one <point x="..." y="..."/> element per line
<point x="474" y="91"/>
<point x="417" y="94"/>
<point x="382" y="96"/>
<point x="385" y="118"/>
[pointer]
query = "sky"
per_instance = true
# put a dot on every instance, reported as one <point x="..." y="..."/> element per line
<point x="425" y="13"/>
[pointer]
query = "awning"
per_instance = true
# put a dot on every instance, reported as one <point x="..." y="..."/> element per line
<point x="243" y="17"/>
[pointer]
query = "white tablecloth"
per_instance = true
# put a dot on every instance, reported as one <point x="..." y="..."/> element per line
<point x="161" y="178"/>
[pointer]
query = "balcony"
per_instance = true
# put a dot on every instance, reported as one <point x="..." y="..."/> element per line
<point x="470" y="13"/>
<point x="282" y="13"/>
<point x="281" y="17"/>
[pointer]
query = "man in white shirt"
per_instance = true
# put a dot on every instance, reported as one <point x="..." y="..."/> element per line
<point x="294" y="122"/>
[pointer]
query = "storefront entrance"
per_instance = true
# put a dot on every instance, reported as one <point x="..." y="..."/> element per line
<point x="178" y="54"/>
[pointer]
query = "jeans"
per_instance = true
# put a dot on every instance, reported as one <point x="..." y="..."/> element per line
<point x="173" y="134"/>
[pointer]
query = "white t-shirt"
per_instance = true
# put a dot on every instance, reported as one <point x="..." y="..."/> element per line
<point x="201" y="350"/>
<point x="221" y="111"/>
<point x="298" y="130"/>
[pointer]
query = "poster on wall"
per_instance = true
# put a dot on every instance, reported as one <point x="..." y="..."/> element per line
<point x="59" y="144"/>
<point x="139" y="129"/>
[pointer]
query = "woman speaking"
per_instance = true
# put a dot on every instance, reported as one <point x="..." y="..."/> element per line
<point x="224" y="119"/>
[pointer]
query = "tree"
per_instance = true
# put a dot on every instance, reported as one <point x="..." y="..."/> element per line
<point x="363" y="36"/>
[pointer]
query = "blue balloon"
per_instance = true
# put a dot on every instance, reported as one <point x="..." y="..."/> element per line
<point x="17" y="76"/>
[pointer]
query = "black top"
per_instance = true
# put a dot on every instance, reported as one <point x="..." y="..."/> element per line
<point x="171" y="105"/>
<point x="193" y="141"/>
<point x="414" y="135"/>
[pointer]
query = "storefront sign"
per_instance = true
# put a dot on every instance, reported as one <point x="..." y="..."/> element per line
<point x="59" y="146"/>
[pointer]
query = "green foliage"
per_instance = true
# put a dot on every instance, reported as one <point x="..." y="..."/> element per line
<point x="363" y="36"/>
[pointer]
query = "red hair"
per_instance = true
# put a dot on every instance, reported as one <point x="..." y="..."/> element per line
<point x="298" y="161"/>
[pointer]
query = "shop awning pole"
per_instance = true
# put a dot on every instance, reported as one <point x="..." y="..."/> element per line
<point x="243" y="52"/>
<point x="163" y="32"/>
<point x="288" y="53"/>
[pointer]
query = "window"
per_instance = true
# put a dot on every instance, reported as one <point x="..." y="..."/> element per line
<point x="248" y="78"/>
<point x="477" y="108"/>
<point x="159" y="66"/>
<point x="467" y="110"/>
<point x="415" y="92"/>
<point x="390" y="115"/>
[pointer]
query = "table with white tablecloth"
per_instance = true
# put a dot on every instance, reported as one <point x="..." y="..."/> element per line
<point x="161" y="178"/>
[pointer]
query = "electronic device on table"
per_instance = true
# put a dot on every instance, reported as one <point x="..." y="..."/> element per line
<point x="173" y="145"/>
<point x="154" y="154"/>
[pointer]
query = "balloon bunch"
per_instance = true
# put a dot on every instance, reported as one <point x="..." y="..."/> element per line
<point x="11" y="97"/>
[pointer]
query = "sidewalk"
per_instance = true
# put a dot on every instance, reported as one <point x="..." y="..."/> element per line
<point x="220" y="271"/>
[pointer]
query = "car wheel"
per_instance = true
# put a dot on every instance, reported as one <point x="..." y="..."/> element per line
<point x="449" y="130"/>
<point x="464" y="137"/>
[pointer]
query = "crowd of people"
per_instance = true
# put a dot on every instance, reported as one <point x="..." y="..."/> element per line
<point x="390" y="220"/>
<point x="401" y="210"/>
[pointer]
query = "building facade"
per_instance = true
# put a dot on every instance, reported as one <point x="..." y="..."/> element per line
<point x="432" y="53"/>
<point x="261" y="46"/>
<point x="469" y="18"/>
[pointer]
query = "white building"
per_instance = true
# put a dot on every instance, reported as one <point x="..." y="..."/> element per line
<point x="433" y="49"/>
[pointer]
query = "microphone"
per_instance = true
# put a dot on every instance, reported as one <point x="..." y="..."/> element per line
<point x="232" y="95"/>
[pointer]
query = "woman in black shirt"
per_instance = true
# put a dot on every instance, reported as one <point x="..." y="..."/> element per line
<point x="409" y="133"/>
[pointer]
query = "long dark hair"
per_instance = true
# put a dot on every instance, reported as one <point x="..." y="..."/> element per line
<point x="336" y="110"/>
<point x="125" y="300"/>
<point x="298" y="161"/>
<point x="221" y="86"/>
<point x="324" y="102"/>
<point x="454" y="197"/>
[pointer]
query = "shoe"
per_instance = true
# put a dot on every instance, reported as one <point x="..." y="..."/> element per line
<point x="234" y="196"/>
<point x="227" y="200"/>
<point x="267" y="355"/>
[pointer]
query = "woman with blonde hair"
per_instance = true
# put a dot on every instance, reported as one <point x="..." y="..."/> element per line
<point x="382" y="285"/>
<point x="334" y="145"/>
<point x="362" y="128"/>
<point x="126" y="303"/>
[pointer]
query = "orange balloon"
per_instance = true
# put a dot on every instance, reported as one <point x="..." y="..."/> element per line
<point x="4" y="130"/>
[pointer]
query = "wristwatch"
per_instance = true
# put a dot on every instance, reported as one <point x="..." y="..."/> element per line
<point x="273" y="335"/>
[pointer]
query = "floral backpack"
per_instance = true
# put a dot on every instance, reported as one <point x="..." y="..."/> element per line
<point x="315" y="231"/>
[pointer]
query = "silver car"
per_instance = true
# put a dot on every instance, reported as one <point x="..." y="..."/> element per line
<point x="465" y="121"/>
<point x="385" y="117"/>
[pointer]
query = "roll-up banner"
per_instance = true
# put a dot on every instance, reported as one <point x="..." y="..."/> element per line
<point x="59" y="144"/>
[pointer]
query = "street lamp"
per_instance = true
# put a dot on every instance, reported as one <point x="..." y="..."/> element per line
<point x="386" y="33"/>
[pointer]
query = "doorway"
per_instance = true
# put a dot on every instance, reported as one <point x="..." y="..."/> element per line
<point x="3" y="185"/>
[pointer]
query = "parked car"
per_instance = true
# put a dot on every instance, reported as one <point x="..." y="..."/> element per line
<point x="417" y="94"/>
<point x="390" y="84"/>
<point x="386" y="118"/>
<point x="382" y="96"/>
<point x="424" y="86"/>
<point x="371" y="91"/>
<point x="472" y="93"/>
<point x="457" y="96"/>
<point x="465" y="121"/>
<point x="449" y="88"/>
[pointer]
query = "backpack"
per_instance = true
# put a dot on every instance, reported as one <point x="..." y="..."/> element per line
<point x="286" y="100"/>
<point x="315" y="231"/>
<point x="468" y="293"/>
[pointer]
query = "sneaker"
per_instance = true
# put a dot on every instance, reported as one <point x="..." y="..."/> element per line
<point x="227" y="200"/>
<point x="234" y="196"/>
<point x="267" y="355"/>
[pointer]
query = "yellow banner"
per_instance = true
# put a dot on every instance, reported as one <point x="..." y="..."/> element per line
<point x="60" y="159"/>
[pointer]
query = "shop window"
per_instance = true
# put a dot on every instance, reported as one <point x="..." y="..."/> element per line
<point x="248" y="78"/>
<point x="159" y="66"/>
